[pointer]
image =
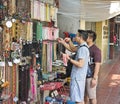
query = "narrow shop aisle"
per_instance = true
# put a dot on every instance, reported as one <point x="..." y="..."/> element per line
<point x="108" y="91"/>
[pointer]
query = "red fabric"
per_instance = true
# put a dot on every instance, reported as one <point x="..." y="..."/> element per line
<point x="66" y="34"/>
<point x="114" y="38"/>
<point x="51" y="86"/>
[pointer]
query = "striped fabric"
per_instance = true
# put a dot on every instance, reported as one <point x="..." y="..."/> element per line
<point x="50" y="33"/>
<point x="14" y="82"/>
<point x="43" y="11"/>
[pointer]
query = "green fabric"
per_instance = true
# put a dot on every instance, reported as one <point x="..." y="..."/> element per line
<point x="39" y="31"/>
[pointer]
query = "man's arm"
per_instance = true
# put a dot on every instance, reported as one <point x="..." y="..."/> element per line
<point x="95" y="76"/>
<point x="68" y="44"/>
<point x="78" y="63"/>
<point x="96" y="70"/>
<point x="72" y="47"/>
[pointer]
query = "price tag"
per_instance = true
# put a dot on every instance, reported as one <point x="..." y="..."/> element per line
<point x="10" y="64"/>
<point x="15" y="99"/>
<point x="2" y="63"/>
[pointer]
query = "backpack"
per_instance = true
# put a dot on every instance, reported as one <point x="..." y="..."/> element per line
<point x="90" y="72"/>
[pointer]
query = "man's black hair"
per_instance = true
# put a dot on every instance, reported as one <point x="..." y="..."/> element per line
<point x="92" y="34"/>
<point x="83" y="33"/>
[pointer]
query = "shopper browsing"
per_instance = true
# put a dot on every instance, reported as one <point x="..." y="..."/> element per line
<point x="80" y="65"/>
<point x="93" y="69"/>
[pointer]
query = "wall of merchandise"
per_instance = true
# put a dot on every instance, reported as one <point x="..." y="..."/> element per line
<point x="28" y="46"/>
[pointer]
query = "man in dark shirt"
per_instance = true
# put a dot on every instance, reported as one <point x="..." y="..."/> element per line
<point x="93" y="69"/>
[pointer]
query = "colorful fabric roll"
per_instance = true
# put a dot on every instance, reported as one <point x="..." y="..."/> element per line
<point x="39" y="32"/>
<point x="36" y="10"/>
<point x="44" y="57"/>
<point x="29" y="31"/>
<point x="23" y="82"/>
<point x="47" y="13"/>
<point x="14" y="82"/>
<point x="33" y="84"/>
<point x="42" y="12"/>
<point x="49" y="57"/>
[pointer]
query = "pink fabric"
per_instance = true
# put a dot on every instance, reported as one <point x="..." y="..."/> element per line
<point x="65" y="60"/>
<point x="32" y="82"/>
<point x="114" y="39"/>
<point x="47" y="33"/>
<point x="51" y="51"/>
<point x="49" y="57"/>
<point x="50" y="34"/>
<point x="56" y="33"/>
<point x="51" y="86"/>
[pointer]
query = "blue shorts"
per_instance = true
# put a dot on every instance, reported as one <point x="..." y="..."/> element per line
<point x="77" y="90"/>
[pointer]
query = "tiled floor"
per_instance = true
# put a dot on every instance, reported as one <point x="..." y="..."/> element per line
<point x="108" y="91"/>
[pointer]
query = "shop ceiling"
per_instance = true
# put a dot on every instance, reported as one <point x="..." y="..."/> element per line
<point x="90" y="10"/>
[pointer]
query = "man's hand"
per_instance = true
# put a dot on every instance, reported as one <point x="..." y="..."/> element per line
<point x="60" y="40"/>
<point x="68" y="57"/>
<point x="93" y="83"/>
<point x="67" y="40"/>
<point x="67" y="43"/>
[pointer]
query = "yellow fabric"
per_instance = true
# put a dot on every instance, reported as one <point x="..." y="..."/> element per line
<point x="32" y="9"/>
<point x="55" y="49"/>
<point x="13" y="6"/>
<point x="44" y="58"/>
<point x="47" y="13"/>
<point x="29" y="31"/>
<point x="52" y="12"/>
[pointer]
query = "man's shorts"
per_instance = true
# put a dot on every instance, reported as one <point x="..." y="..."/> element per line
<point x="77" y="89"/>
<point x="91" y="92"/>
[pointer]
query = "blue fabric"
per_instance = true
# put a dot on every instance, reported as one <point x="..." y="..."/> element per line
<point x="70" y="102"/>
<point x="72" y="35"/>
